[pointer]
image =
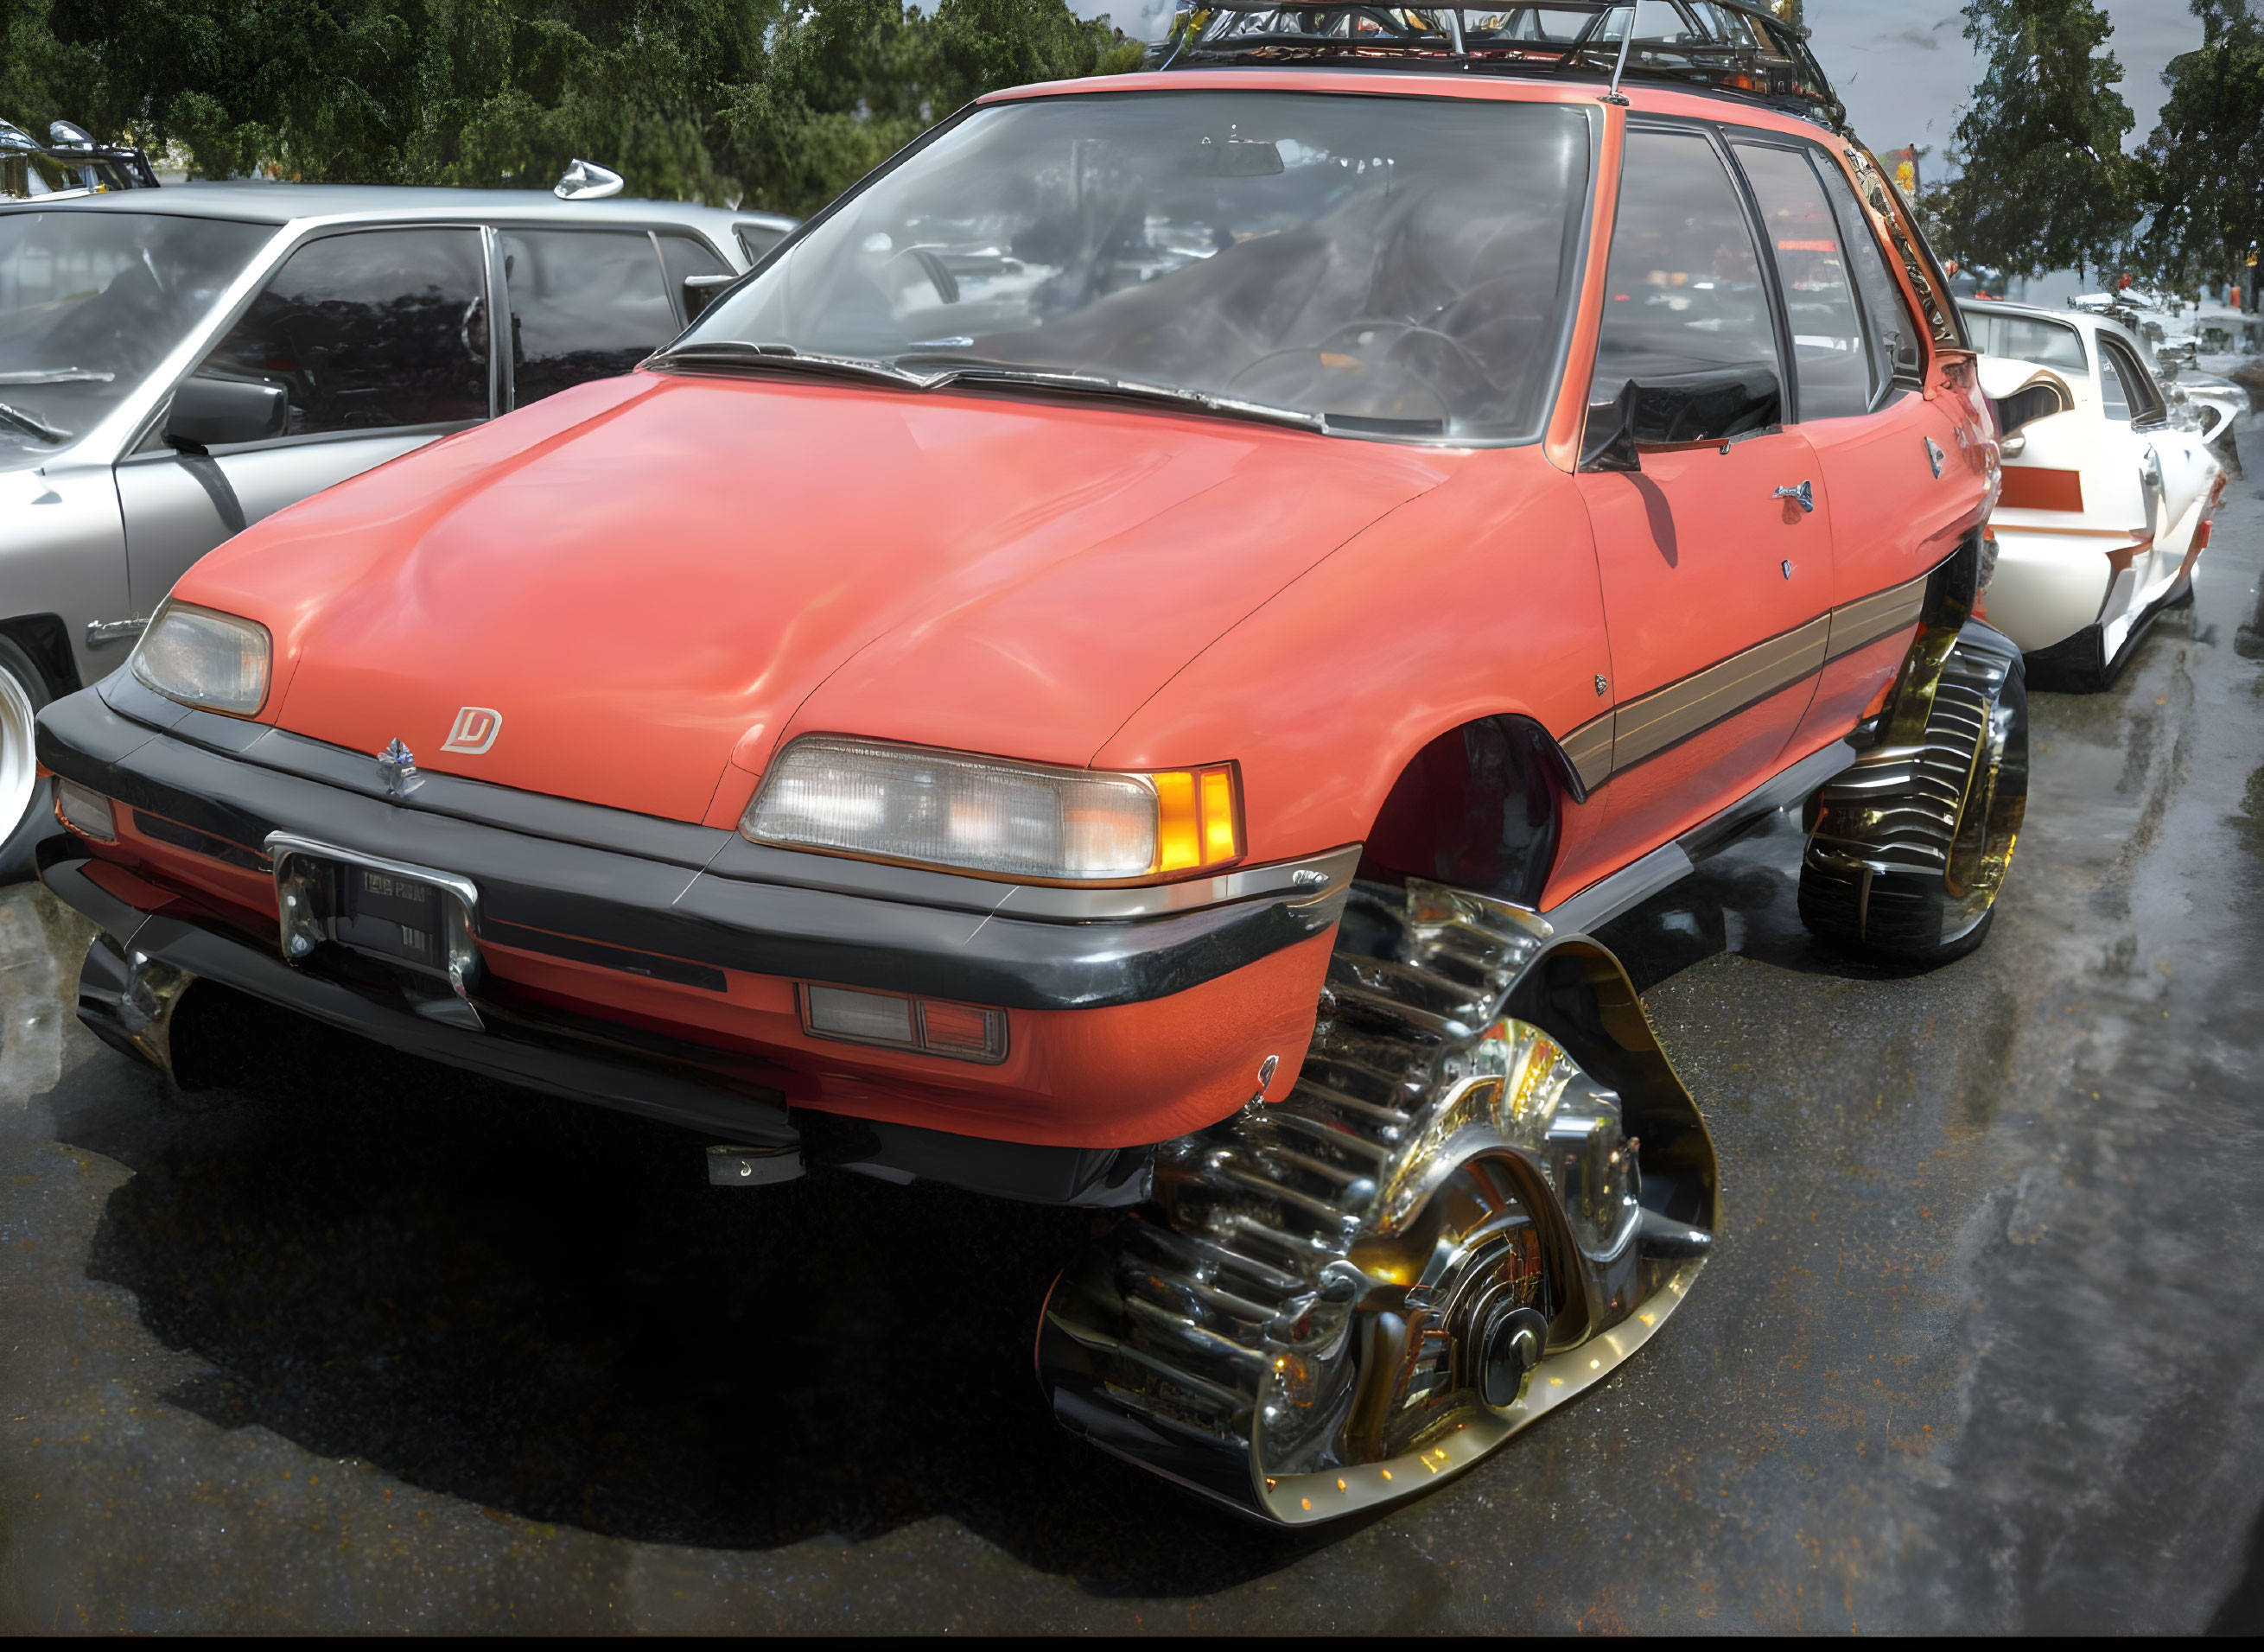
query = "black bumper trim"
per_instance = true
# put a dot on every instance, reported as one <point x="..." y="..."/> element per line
<point x="663" y="1092"/>
<point x="545" y="888"/>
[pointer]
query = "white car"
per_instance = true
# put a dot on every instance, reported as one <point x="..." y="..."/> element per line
<point x="2105" y="506"/>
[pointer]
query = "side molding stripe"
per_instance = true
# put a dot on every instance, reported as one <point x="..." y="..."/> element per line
<point x="1642" y="728"/>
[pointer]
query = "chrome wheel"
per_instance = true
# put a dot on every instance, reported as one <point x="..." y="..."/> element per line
<point x="1439" y="1234"/>
<point x="1909" y="846"/>
<point x="18" y="765"/>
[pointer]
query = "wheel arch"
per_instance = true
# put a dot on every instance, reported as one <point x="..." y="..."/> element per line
<point x="1479" y="804"/>
<point x="45" y="642"/>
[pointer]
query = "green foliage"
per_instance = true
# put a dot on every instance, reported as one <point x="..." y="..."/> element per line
<point x="2204" y="165"/>
<point x="2046" y="184"/>
<point x="775" y="104"/>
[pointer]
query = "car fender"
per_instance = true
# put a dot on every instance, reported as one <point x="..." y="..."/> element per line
<point x="1479" y="598"/>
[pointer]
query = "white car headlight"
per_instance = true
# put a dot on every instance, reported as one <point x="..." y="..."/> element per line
<point x="212" y="661"/>
<point x="995" y="818"/>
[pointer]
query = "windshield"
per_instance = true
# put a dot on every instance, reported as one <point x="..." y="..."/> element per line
<point x="1398" y="266"/>
<point x="89" y="301"/>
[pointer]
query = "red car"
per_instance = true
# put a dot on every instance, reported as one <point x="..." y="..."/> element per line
<point x="1121" y="665"/>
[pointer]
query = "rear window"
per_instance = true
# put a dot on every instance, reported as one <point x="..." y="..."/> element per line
<point x="2026" y="339"/>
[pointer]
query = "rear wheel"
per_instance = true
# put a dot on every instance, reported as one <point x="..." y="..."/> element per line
<point x="1910" y="845"/>
<point x="23" y="690"/>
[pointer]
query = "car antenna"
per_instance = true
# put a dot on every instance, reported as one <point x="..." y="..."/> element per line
<point x="1614" y="95"/>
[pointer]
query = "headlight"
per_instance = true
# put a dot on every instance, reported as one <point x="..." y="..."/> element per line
<point x="205" y="659"/>
<point x="993" y="818"/>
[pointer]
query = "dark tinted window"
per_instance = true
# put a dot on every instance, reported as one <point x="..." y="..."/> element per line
<point x="681" y="255"/>
<point x="1895" y="351"/>
<point x="1828" y="355"/>
<point x="371" y="331"/>
<point x="585" y="304"/>
<point x="1682" y="293"/>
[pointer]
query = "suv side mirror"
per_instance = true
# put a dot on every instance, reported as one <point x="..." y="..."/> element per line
<point x="1686" y="406"/>
<point x="698" y="289"/>
<point x="210" y="412"/>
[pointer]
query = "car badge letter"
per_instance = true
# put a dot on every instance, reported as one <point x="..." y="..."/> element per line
<point x="476" y="730"/>
<point x="396" y="766"/>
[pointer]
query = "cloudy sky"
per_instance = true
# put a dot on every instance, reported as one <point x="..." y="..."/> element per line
<point x="1904" y="66"/>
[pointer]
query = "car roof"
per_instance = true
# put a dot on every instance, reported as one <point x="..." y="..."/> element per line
<point x="253" y="202"/>
<point x="1650" y="97"/>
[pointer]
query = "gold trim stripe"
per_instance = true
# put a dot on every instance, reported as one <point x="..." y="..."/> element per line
<point x="1644" y="728"/>
<point x="1867" y="619"/>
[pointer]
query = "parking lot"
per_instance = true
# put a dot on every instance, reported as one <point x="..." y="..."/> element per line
<point x="360" y="1344"/>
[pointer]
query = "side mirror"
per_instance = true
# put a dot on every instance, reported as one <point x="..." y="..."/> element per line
<point x="1680" y="409"/>
<point x="698" y="289"/>
<point x="210" y="412"/>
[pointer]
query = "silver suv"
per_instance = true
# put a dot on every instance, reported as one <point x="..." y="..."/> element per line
<point x="178" y="363"/>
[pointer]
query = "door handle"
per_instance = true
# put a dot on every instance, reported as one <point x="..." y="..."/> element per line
<point x="1803" y="495"/>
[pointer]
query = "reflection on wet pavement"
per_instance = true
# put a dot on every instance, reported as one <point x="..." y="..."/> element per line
<point x="357" y="1344"/>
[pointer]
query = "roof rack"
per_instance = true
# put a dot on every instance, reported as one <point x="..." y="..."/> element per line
<point x="1724" y="46"/>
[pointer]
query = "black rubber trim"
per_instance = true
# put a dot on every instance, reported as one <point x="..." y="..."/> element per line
<point x="612" y="896"/>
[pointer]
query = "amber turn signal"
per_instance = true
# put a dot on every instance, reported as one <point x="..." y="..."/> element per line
<point x="1198" y="818"/>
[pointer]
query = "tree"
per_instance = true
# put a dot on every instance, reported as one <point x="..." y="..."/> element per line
<point x="2203" y="167"/>
<point x="773" y="103"/>
<point x="2046" y="184"/>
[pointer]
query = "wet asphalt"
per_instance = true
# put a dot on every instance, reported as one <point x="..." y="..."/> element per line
<point x="360" y="1344"/>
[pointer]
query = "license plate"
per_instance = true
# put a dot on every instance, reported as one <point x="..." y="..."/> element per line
<point x="401" y="915"/>
<point x="390" y="917"/>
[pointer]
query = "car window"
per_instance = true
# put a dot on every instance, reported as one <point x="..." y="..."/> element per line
<point x="757" y="239"/>
<point x="90" y="302"/>
<point x="2136" y="385"/>
<point x="1829" y="358"/>
<point x="681" y="255"/>
<point x="585" y="304"/>
<point x="1682" y="292"/>
<point x="2113" y="401"/>
<point x="1893" y="332"/>
<point x="2049" y="343"/>
<point x="370" y="331"/>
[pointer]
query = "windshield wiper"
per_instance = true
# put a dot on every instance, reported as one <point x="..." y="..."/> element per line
<point x="31" y="426"/>
<point x="732" y="353"/>
<point x="726" y="352"/>
<point x="56" y="375"/>
<point x="963" y="371"/>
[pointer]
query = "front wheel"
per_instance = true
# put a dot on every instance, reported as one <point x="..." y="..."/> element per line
<point x="1910" y="845"/>
<point x="23" y="690"/>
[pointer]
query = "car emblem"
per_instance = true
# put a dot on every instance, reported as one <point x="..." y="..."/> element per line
<point x="1934" y="456"/>
<point x="476" y="730"/>
<point x="396" y="766"/>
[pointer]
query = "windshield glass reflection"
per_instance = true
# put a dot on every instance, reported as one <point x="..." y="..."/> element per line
<point x="1396" y="264"/>
<point x="91" y="301"/>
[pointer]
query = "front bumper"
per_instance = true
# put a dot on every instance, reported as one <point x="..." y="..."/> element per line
<point x="669" y="955"/>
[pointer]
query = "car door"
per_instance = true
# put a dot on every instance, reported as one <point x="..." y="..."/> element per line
<point x="1901" y="471"/>
<point x="2174" y="476"/>
<point x="592" y="303"/>
<point x="1715" y="555"/>
<point x="377" y="338"/>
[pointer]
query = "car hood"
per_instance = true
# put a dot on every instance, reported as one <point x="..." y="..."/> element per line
<point x="648" y="583"/>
